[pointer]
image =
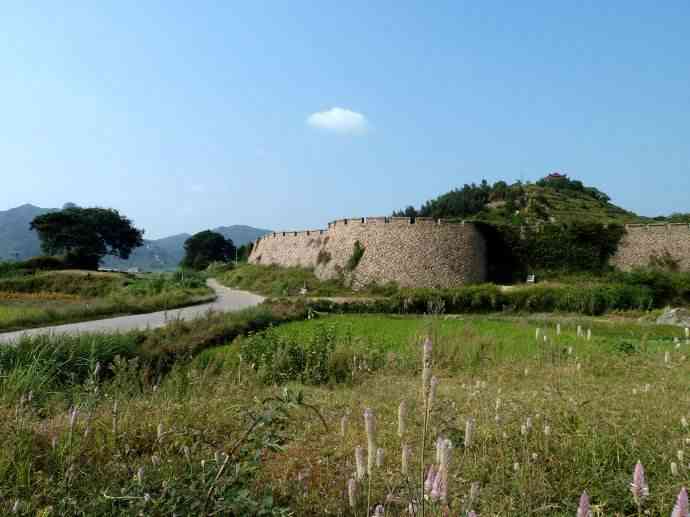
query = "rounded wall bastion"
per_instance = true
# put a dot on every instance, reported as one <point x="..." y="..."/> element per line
<point x="413" y="252"/>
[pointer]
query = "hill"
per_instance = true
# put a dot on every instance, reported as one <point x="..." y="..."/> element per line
<point x="18" y="242"/>
<point x="556" y="198"/>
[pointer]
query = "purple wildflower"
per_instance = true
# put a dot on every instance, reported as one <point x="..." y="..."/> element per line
<point x="681" y="507"/>
<point x="430" y="477"/>
<point x="583" y="509"/>
<point x="638" y="487"/>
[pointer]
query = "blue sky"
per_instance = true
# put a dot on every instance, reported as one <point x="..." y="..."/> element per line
<point x="189" y="115"/>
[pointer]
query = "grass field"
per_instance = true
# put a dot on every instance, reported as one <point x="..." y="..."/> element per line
<point x="216" y="434"/>
<point x="66" y="296"/>
<point x="470" y="341"/>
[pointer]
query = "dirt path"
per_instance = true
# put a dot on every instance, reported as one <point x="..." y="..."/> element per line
<point x="227" y="300"/>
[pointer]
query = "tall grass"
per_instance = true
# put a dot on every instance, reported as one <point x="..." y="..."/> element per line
<point x="89" y="428"/>
<point x="281" y="281"/>
<point x="63" y="297"/>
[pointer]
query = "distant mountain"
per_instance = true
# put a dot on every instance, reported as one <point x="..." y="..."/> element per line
<point x="166" y="253"/>
<point x="17" y="242"/>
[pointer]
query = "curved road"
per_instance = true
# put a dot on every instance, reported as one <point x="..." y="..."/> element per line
<point x="226" y="300"/>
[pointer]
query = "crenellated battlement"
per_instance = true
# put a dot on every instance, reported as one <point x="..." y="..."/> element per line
<point x="663" y="227"/>
<point x="353" y="221"/>
<point x="419" y="251"/>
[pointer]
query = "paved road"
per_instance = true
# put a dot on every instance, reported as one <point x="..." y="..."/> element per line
<point x="227" y="300"/>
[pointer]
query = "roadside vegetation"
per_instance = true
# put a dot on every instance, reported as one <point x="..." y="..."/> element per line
<point x="531" y="412"/>
<point x="638" y="291"/>
<point x="280" y="281"/>
<point x="31" y="299"/>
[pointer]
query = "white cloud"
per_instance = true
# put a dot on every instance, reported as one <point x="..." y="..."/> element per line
<point x="198" y="188"/>
<point x="340" y="120"/>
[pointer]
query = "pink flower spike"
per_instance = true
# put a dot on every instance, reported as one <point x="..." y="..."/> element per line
<point x="436" y="489"/>
<point x="639" y="487"/>
<point x="681" y="507"/>
<point x="430" y="478"/>
<point x="583" y="508"/>
<point x="471" y="514"/>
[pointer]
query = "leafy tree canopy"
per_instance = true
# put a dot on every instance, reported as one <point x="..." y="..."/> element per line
<point x="85" y="235"/>
<point x="203" y="248"/>
<point x="485" y="201"/>
<point x="470" y="200"/>
<point x="562" y="182"/>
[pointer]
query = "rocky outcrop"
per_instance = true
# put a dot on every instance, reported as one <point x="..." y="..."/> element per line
<point x="679" y="317"/>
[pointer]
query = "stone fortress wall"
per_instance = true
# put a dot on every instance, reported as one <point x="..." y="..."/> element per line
<point x="641" y="242"/>
<point x="425" y="252"/>
<point x="421" y="252"/>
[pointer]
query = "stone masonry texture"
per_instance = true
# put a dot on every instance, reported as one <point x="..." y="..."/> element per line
<point x="411" y="252"/>
<point x="433" y="253"/>
<point x="642" y="242"/>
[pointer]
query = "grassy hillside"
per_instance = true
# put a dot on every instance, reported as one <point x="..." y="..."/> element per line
<point x="544" y="204"/>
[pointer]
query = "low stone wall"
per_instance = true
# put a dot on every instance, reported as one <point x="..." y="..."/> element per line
<point x="411" y="252"/>
<point x="642" y="242"/>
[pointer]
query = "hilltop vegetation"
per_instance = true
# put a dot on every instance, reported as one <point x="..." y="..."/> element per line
<point x="556" y="199"/>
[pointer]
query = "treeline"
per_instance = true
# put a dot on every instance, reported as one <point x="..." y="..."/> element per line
<point x="468" y="201"/>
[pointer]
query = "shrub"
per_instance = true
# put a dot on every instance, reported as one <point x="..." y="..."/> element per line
<point x="321" y="356"/>
<point x="591" y="300"/>
<point x="357" y="254"/>
<point x="514" y="251"/>
<point x="664" y="261"/>
<point x="323" y="258"/>
<point x="43" y="263"/>
<point x="279" y="281"/>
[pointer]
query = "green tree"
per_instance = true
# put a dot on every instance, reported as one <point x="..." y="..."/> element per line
<point x="244" y="251"/>
<point x="205" y="247"/>
<point x="83" y="236"/>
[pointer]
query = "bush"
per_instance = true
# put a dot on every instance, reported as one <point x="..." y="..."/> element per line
<point x="32" y="265"/>
<point x="591" y="300"/>
<point x="319" y="357"/>
<point x="666" y="287"/>
<point x="514" y="251"/>
<point x="357" y="254"/>
<point x="43" y="263"/>
<point x="280" y="281"/>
